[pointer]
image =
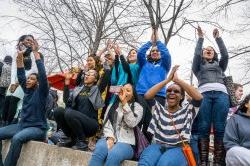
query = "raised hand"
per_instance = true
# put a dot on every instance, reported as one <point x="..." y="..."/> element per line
<point x="200" y="32"/>
<point x="34" y="46"/>
<point x="216" y="33"/>
<point x="123" y="96"/>
<point x="110" y="143"/>
<point x="172" y="73"/>
<point x="19" y="58"/>
<point x="117" y="49"/>
<point x="68" y="76"/>
<point x="153" y="36"/>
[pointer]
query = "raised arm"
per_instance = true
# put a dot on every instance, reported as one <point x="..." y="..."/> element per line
<point x="141" y="55"/>
<point x="198" y="52"/>
<point x="66" y="88"/>
<point x="223" y="50"/>
<point x="20" y="70"/>
<point x="165" y="56"/>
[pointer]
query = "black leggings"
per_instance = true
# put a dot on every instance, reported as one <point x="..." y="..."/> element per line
<point x="9" y="109"/>
<point x="75" y="124"/>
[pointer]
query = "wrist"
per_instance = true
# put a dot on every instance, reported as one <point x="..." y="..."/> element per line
<point x="67" y="82"/>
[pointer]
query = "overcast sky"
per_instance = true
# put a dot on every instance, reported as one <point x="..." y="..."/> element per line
<point x="181" y="50"/>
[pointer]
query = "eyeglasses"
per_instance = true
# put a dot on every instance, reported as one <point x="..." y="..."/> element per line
<point x="90" y="74"/>
<point x="173" y="90"/>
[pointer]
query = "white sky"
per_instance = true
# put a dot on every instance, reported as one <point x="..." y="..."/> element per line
<point x="181" y="51"/>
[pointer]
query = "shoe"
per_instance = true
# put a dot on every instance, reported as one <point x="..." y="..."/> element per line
<point x="66" y="143"/>
<point x="219" y="153"/>
<point x="203" y="151"/>
<point x="80" y="145"/>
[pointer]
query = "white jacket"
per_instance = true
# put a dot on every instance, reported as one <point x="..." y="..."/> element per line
<point x="125" y="122"/>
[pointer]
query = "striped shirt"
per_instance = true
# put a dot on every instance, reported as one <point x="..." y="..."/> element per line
<point x="161" y="125"/>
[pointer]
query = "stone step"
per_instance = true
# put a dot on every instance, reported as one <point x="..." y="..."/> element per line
<point x="41" y="154"/>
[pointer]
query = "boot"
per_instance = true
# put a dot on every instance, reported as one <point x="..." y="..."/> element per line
<point x="203" y="151"/>
<point x="219" y="153"/>
<point x="80" y="145"/>
<point x="66" y="143"/>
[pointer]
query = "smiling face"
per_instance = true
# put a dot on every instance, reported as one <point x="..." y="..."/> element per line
<point x="155" y="53"/>
<point x="208" y="53"/>
<point x="174" y="96"/>
<point x="28" y="41"/>
<point x="32" y="81"/>
<point x="132" y="57"/>
<point x="90" y="77"/>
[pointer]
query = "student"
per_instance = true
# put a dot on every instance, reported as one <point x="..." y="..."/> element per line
<point x="209" y="71"/>
<point x="79" y="119"/>
<point x="118" y="134"/>
<point x="237" y="136"/>
<point x="32" y="125"/>
<point x="154" y="67"/>
<point x="166" y="149"/>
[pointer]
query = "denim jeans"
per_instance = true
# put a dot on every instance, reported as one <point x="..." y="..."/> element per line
<point x="213" y="110"/>
<point x="153" y="156"/>
<point x="18" y="137"/>
<point x="194" y="146"/>
<point x="118" y="153"/>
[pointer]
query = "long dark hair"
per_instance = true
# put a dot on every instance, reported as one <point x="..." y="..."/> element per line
<point x="112" y="114"/>
<point x="242" y="107"/>
<point x="133" y="49"/>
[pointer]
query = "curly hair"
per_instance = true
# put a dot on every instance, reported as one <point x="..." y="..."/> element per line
<point x="242" y="107"/>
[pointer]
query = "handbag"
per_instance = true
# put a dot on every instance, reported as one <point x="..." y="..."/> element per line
<point x="228" y="81"/>
<point x="186" y="149"/>
<point x="141" y="142"/>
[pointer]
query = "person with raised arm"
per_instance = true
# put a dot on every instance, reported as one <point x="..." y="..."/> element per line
<point x="33" y="124"/>
<point x="170" y="125"/>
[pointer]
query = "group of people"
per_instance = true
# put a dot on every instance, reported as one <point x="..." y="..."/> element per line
<point x="114" y="95"/>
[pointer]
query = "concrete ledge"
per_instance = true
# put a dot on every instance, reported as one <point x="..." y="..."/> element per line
<point x="41" y="154"/>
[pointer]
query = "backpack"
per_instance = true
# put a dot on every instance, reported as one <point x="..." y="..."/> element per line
<point x="5" y="75"/>
<point x="51" y="104"/>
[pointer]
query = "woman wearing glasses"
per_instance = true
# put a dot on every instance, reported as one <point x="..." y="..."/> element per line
<point x="79" y="119"/>
<point x="166" y="149"/>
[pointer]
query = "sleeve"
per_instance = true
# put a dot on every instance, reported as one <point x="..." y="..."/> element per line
<point x="115" y="72"/>
<point x="224" y="54"/>
<point x="231" y="137"/>
<point x="1" y="67"/>
<point x="165" y="56"/>
<point x="104" y="80"/>
<point x="141" y="55"/>
<point x="197" y="56"/>
<point x="108" y="130"/>
<point x="65" y="93"/>
<point x="126" y="69"/>
<point x="42" y="78"/>
<point x="21" y="78"/>
<point x="34" y="68"/>
<point x="13" y="70"/>
<point x="79" y="78"/>
<point x="132" y="118"/>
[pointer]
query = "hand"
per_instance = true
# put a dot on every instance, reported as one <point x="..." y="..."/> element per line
<point x="200" y="32"/>
<point x="109" y="44"/>
<point x="216" y="33"/>
<point x="175" y="78"/>
<point x="84" y="67"/>
<point x="110" y="142"/>
<point x="19" y="58"/>
<point x="117" y="49"/>
<point x="123" y="96"/>
<point x="173" y="71"/>
<point x="34" y="46"/>
<point x="68" y="76"/>
<point x="13" y="87"/>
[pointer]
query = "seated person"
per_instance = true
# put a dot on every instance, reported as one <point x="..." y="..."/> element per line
<point x="79" y="119"/>
<point x="32" y="125"/>
<point x="237" y="136"/>
<point x="170" y="123"/>
<point x="118" y="134"/>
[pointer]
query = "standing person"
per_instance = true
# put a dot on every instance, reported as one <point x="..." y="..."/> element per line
<point x="209" y="71"/>
<point x="118" y="134"/>
<point x="154" y="67"/>
<point x="32" y="125"/>
<point x="79" y="119"/>
<point x="237" y="136"/>
<point x="170" y="123"/>
<point x="5" y="75"/>
<point x="15" y="93"/>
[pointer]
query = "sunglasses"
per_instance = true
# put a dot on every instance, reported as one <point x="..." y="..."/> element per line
<point x="173" y="90"/>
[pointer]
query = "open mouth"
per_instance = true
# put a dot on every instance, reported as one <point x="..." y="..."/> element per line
<point x="171" y="99"/>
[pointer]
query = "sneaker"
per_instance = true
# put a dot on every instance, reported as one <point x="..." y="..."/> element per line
<point x="80" y="145"/>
